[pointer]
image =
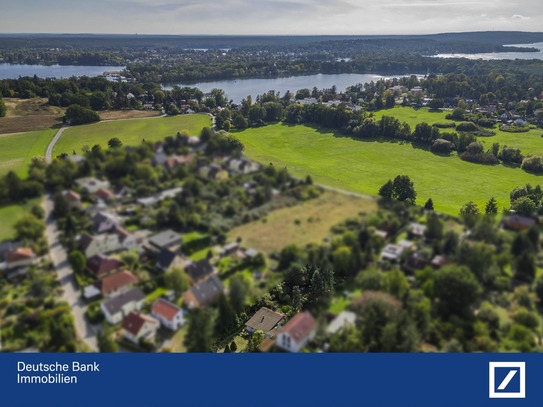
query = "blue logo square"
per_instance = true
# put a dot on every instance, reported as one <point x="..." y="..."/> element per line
<point x="506" y="381"/>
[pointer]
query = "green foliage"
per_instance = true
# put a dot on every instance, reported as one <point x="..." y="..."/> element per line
<point x="114" y="143"/>
<point x="533" y="164"/>
<point x="457" y="290"/>
<point x="29" y="228"/>
<point x="76" y="114"/>
<point x="524" y="206"/>
<point x="469" y="213"/>
<point x="3" y="108"/>
<point x="77" y="260"/>
<point x="177" y="280"/>
<point x="401" y="189"/>
<point x="491" y="207"/>
<point x="199" y="337"/>
<point x="105" y="341"/>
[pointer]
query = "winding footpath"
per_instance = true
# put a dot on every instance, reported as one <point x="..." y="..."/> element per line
<point x="65" y="275"/>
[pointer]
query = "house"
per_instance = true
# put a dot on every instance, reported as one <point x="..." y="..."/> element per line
<point x="117" y="283"/>
<point x="242" y="166"/>
<point x="345" y="318"/>
<point x="166" y="239"/>
<point x="159" y="159"/>
<point x="417" y="90"/>
<point x="213" y="171"/>
<point x="103" y="222"/>
<point x="200" y="270"/>
<point x="7" y="247"/>
<point x="518" y="222"/>
<point x="21" y="257"/>
<point x="116" y="308"/>
<point x="73" y="198"/>
<point x="297" y="332"/>
<point x="91" y="184"/>
<point x="167" y="259"/>
<point x="230" y="248"/>
<point x="126" y="239"/>
<point x="439" y="261"/>
<point x="265" y="320"/>
<point x="95" y="244"/>
<point x="105" y="194"/>
<point x="100" y="265"/>
<point x="251" y="253"/>
<point x="416" y="230"/>
<point x="169" y="315"/>
<point x="153" y="200"/>
<point x="137" y="327"/>
<point x="175" y="161"/>
<point x="204" y="293"/>
<point x="393" y="252"/>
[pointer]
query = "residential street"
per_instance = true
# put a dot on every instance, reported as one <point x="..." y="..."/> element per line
<point x="70" y="292"/>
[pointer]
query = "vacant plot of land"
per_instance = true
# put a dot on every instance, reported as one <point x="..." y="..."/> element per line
<point x="529" y="142"/>
<point x="130" y="132"/>
<point x="362" y="166"/>
<point x="309" y="222"/>
<point x="17" y="150"/>
<point x="29" y="114"/>
<point x="127" y="114"/>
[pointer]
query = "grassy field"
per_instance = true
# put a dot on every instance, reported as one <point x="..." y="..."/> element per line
<point x="530" y="142"/>
<point x="130" y="132"/>
<point x="362" y="166"/>
<point x="18" y="149"/>
<point x="309" y="222"/>
<point x="9" y="215"/>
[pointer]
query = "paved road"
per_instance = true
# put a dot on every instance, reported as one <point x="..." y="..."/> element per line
<point x="70" y="292"/>
<point x="49" y="151"/>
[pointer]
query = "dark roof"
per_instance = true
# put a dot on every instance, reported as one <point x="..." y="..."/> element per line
<point x="165" y="258"/>
<point x="199" y="270"/>
<point x="100" y="264"/>
<point x="518" y="222"/>
<point x="208" y="290"/>
<point x="115" y="304"/>
<point x="85" y="240"/>
<point x="264" y="319"/>
<point x="166" y="238"/>
<point x="300" y="326"/>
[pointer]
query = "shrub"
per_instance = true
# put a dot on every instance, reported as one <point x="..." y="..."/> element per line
<point x="467" y="127"/>
<point x="533" y="163"/>
<point x="445" y="125"/>
<point x="511" y="155"/>
<point x="77" y="114"/>
<point x="442" y="146"/>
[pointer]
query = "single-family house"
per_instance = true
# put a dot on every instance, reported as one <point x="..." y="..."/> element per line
<point x="117" y="283"/>
<point x="7" y="247"/>
<point x="73" y="198"/>
<point x="297" y="332"/>
<point x="105" y="194"/>
<point x="101" y="265"/>
<point x="167" y="259"/>
<point x="159" y="159"/>
<point x="21" y="257"/>
<point x="175" y="161"/>
<point x="242" y="166"/>
<point x="213" y="171"/>
<point x="393" y="252"/>
<point x="167" y="239"/>
<point x="200" y="270"/>
<point x="343" y="319"/>
<point x="116" y="308"/>
<point x="137" y="327"/>
<point x="126" y="239"/>
<point x="95" y="244"/>
<point x="518" y="222"/>
<point x="416" y="230"/>
<point x="104" y="222"/>
<point x="265" y="320"/>
<point x="204" y="293"/>
<point x="169" y="315"/>
<point x="91" y="184"/>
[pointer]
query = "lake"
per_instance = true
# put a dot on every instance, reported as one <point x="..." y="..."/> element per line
<point x="239" y="89"/>
<point x="13" y="71"/>
<point x="502" y="55"/>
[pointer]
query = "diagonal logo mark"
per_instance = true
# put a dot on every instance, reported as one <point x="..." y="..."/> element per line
<point x="507" y="379"/>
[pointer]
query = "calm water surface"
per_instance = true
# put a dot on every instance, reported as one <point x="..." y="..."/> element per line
<point x="13" y="71"/>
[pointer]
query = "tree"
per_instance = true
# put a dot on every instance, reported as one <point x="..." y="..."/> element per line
<point x="525" y="267"/>
<point x="256" y="339"/>
<point x="434" y="227"/>
<point x="226" y="317"/>
<point x="469" y="213"/>
<point x="199" y="337"/>
<point x="114" y="143"/>
<point x="238" y="293"/>
<point x="178" y="281"/>
<point x="29" y="228"/>
<point x="297" y="300"/>
<point x="456" y="290"/>
<point x="491" y="207"/>
<point x="77" y="261"/>
<point x="524" y="206"/>
<point x="404" y="189"/>
<point x="344" y="261"/>
<point x="76" y="114"/>
<point x="105" y="342"/>
<point x="387" y="190"/>
<point x="429" y="205"/>
<point x="3" y="108"/>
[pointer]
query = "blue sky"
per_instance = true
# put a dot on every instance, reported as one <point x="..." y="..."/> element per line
<point x="268" y="17"/>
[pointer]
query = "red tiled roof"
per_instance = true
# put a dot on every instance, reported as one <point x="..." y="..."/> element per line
<point x="116" y="281"/>
<point x="300" y="326"/>
<point x="24" y="253"/>
<point x="100" y="264"/>
<point x="72" y="196"/>
<point x="104" y="193"/>
<point x="134" y="321"/>
<point x="121" y="232"/>
<point x="165" y="309"/>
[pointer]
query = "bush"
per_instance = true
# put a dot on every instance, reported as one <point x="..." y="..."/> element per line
<point x="445" y="125"/>
<point x="94" y="313"/>
<point x="76" y="114"/>
<point x="442" y="146"/>
<point x="467" y="127"/>
<point x="533" y="163"/>
<point x="474" y="153"/>
<point x="511" y="155"/>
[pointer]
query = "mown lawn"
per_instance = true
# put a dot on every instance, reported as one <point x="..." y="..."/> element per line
<point x="130" y="132"/>
<point x="363" y="166"/>
<point x="308" y="222"/>
<point x="9" y="215"/>
<point x="18" y="149"/>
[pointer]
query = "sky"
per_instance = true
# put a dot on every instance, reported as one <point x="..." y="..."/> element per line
<point x="268" y="17"/>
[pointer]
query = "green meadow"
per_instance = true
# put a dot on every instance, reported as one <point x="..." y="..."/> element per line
<point x="18" y="149"/>
<point x="130" y="132"/>
<point x="529" y="142"/>
<point x="363" y="166"/>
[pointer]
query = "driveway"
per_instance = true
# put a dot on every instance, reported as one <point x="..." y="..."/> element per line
<point x="70" y="293"/>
